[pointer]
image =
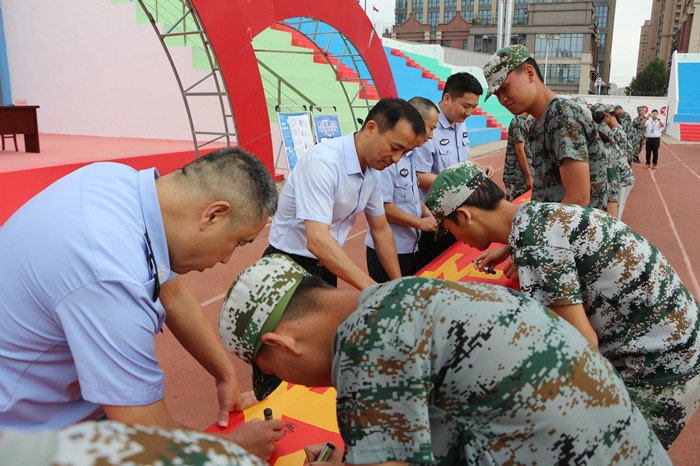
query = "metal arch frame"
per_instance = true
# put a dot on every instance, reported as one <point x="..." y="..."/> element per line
<point x="354" y="57"/>
<point x="219" y="83"/>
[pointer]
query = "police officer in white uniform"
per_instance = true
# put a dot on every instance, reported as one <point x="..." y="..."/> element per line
<point x="333" y="183"/>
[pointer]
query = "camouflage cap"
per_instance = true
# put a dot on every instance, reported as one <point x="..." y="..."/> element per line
<point x="254" y="306"/>
<point x="501" y="63"/>
<point x="451" y="188"/>
<point x="601" y="107"/>
<point x="618" y="106"/>
<point x="640" y="108"/>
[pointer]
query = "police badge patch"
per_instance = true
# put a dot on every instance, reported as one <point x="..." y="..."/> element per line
<point x="464" y="134"/>
<point x="444" y="142"/>
<point x="404" y="172"/>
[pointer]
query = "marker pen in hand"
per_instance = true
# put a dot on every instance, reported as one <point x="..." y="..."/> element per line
<point x="326" y="453"/>
<point x="487" y="269"/>
<point x="268" y="414"/>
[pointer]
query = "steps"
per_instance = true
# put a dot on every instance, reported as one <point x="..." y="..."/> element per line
<point x="688" y="112"/>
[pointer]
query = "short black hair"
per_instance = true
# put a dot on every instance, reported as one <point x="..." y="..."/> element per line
<point x="486" y="197"/>
<point x="303" y="300"/>
<point x="387" y="113"/>
<point x="532" y="62"/>
<point x="655" y="110"/>
<point x="460" y="83"/>
<point x="423" y="105"/>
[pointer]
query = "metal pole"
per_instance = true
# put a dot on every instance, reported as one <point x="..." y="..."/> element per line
<point x="507" y="40"/>
<point x="500" y="18"/>
<point x="546" y="59"/>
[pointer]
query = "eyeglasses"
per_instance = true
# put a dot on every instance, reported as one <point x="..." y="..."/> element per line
<point x="152" y="263"/>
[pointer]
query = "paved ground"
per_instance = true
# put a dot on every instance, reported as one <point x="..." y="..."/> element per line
<point x="662" y="207"/>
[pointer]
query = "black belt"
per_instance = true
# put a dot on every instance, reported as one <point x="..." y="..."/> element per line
<point x="301" y="260"/>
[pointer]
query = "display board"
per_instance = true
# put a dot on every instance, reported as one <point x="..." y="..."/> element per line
<point x="327" y="127"/>
<point x="297" y="137"/>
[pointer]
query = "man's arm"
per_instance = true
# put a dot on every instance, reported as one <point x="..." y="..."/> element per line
<point x="576" y="180"/>
<point x="522" y="160"/>
<point x="384" y="244"/>
<point x="425" y="179"/>
<point x="186" y="319"/>
<point x="321" y="244"/>
<point x="395" y="215"/>
<point x="575" y="314"/>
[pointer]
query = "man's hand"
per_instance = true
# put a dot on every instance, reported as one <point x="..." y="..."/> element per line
<point x="312" y="452"/>
<point x="491" y="258"/>
<point x="258" y="436"/>
<point x="529" y="181"/>
<point x="229" y="397"/>
<point x="428" y="224"/>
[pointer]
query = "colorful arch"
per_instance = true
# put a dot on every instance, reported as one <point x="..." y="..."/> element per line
<point x="231" y="26"/>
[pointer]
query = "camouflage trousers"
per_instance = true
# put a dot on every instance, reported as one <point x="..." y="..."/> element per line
<point x="515" y="190"/>
<point x="667" y="408"/>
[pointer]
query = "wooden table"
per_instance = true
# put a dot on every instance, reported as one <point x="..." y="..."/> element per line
<point x="21" y="119"/>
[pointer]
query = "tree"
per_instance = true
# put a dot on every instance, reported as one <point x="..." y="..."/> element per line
<point x="651" y="81"/>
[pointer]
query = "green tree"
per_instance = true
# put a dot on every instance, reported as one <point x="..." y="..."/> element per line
<point x="651" y="81"/>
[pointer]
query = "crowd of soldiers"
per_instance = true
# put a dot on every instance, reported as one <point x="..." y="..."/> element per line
<point x="596" y="360"/>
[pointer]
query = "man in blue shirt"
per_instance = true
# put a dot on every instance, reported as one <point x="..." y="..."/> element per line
<point x="449" y="145"/>
<point x="90" y="273"/>
<point x="407" y="215"/>
<point x="333" y="183"/>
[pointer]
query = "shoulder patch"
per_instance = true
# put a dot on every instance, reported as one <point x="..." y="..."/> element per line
<point x="464" y="134"/>
<point x="404" y="172"/>
<point x="444" y="142"/>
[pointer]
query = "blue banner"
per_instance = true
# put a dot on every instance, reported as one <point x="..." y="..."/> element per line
<point x="327" y="127"/>
<point x="296" y="135"/>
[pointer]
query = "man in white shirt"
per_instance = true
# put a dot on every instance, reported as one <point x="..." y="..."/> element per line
<point x="653" y="134"/>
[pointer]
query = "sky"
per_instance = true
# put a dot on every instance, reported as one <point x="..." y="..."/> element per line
<point x="629" y="17"/>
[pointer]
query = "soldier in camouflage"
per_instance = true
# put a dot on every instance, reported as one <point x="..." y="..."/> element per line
<point x="437" y="372"/>
<point x="517" y="176"/>
<point x="630" y="132"/>
<point x="598" y="274"/>
<point x="616" y="144"/>
<point x="638" y="125"/>
<point x="568" y="161"/>
<point x="114" y="443"/>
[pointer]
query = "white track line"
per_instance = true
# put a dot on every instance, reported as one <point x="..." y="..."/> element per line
<point x="682" y="162"/>
<point x="213" y="300"/>
<point x="686" y="259"/>
<point x="360" y="233"/>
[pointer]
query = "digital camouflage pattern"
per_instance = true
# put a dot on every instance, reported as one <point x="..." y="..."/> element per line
<point x="440" y="372"/>
<point x="451" y="188"/>
<point x="114" y="443"/>
<point x="620" y="156"/>
<point x="646" y="320"/>
<point x="566" y="131"/>
<point x="640" y="129"/>
<point x="513" y="175"/>
<point x="632" y="138"/>
<point x="613" y="181"/>
<point x="501" y="63"/>
<point x="252" y="307"/>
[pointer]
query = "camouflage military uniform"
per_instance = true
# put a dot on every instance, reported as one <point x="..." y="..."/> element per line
<point x="631" y="133"/>
<point x="108" y="443"/>
<point x="513" y="175"/>
<point x="566" y="131"/>
<point x="432" y="371"/>
<point x="646" y="320"/>
<point x="612" y="178"/>
<point x="620" y="157"/>
<point x="638" y="125"/>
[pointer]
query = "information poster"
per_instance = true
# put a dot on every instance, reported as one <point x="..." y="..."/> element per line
<point x="327" y="127"/>
<point x="296" y="135"/>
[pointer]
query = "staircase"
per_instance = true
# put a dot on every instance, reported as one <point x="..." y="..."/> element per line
<point x="688" y="113"/>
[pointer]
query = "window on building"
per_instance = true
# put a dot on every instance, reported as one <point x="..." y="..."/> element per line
<point x="485" y="43"/>
<point x="400" y="18"/>
<point x="540" y="1"/>
<point x="565" y="46"/>
<point x="419" y="16"/>
<point x="433" y="19"/>
<point x="433" y="3"/>
<point x="467" y="3"/>
<point x="485" y="17"/>
<point x="601" y="48"/>
<point x="520" y="16"/>
<point x="451" y="3"/>
<point x="468" y="16"/>
<point x="601" y="13"/>
<point x="562" y="73"/>
<point x="449" y="15"/>
<point x="559" y="1"/>
<point x="465" y="44"/>
<point x="483" y="3"/>
<point x="445" y="43"/>
<point x="401" y="3"/>
<point x="517" y="39"/>
<point x="417" y="4"/>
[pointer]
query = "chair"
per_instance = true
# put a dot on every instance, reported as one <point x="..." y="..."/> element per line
<point x="8" y="136"/>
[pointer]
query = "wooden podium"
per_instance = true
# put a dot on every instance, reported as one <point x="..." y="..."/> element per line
<point x="21" y="119"/>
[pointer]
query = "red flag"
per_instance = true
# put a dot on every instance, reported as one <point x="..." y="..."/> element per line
<point x="375" y="9"/>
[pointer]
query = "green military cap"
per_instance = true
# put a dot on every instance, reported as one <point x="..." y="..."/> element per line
<point x="501" y="63"/>
<point x="640" y="108"/>
<point x="451" y="188"/>
<point x="601" y="107"/>
<point x="618" y="106"/>
<point x="254" y="306"/>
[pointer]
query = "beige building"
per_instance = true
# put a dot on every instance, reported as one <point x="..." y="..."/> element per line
<point x="643" y="56"/>
<point x="664" y="25"/>
<point x="572" y="37"/>
<point x="688" y="35"/>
